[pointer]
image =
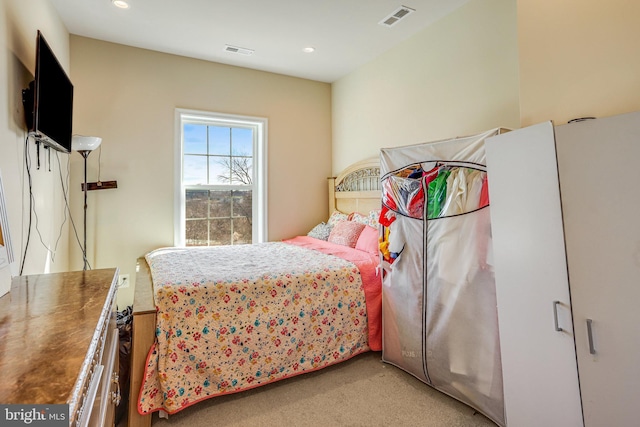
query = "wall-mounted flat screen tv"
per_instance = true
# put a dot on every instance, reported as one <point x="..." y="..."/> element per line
<point x="48" y="102"/>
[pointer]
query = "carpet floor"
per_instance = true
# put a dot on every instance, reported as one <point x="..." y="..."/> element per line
<point x="363" y="391"/>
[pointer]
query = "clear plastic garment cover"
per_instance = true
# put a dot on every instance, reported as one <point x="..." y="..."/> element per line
<point x="439" y="304"/>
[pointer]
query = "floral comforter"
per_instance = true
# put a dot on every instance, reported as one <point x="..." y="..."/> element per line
<point x="237" y="317"/>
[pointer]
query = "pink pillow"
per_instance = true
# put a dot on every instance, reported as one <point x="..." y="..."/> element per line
<point x="368" y="240"/>
<point x="346" y="233"/>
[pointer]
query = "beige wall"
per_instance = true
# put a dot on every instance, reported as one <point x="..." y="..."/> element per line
<point x="578" y="58"/>
<point x="457" y="77"/>
<point x="48" y="243"/>
<point x="128" y="97"/>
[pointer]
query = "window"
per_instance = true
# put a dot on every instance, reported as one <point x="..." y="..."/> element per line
<point x="221" y="179"/>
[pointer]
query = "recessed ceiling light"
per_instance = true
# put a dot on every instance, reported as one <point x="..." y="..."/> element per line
<point x="122" y="4"/>
<point x="309" y="49"/>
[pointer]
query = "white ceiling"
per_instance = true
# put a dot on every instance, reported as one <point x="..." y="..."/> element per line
<point x="345" y="33"/>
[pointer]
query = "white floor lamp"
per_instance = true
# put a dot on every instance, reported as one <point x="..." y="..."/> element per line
<point x="85" y="145"/>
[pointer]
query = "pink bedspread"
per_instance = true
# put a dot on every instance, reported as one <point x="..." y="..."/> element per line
<point x="230" y="319"/>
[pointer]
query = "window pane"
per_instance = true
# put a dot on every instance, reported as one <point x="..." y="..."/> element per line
<point x="220" y="204"/>
<point x="196" y="232"/>
<point x="219" y="140"/>
<point x="194" y="170"/>
<point x="241" y="231"/>
<point x="219" y="170"/>
<point x="241" y="170"/>
<point x="242" y="142"/>
<point x="220" y="232"/>
<point x="196" y="203"/>
<point x="242" y="206"/>
<point x="195" y="139"/>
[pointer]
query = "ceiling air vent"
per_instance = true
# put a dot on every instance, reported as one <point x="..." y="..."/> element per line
<point x="394" y="17"/>
<point x="238" y="50"/>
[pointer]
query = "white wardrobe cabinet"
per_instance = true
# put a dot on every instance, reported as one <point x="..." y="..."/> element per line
<point x="564" y="213"/>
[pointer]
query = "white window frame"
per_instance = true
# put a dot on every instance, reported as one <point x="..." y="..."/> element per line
<point x="259" y="208"/>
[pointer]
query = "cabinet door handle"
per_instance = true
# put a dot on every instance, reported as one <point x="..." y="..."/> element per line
<point x="555" y="315"/>
<point x="592" y="349"/>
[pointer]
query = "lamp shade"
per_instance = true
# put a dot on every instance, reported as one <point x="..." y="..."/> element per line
<point x="85" y="143"/>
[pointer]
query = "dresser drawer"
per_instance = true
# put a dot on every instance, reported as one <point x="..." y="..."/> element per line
<point x="102" y="394"/>
<point x="108" y="396"/>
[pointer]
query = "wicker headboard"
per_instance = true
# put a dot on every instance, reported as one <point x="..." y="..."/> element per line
<point x="357" y="188"/>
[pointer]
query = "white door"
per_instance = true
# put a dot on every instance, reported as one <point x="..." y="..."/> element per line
<point x="600" y="185"/>
<point x="534" y="313"/>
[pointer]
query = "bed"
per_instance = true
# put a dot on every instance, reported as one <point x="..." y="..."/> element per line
<point x="279" y="309"/>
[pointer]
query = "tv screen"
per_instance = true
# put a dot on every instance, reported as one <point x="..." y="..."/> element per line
<point x="52" y="100"/>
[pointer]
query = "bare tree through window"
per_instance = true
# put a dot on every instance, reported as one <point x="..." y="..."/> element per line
<point x="240" y="168"/>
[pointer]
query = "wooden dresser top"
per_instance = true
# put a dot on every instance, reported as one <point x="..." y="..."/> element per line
<point x="47" y="326"/>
